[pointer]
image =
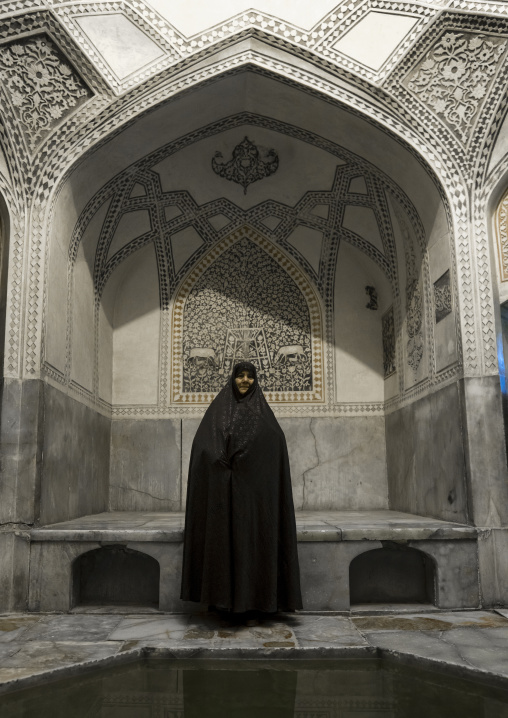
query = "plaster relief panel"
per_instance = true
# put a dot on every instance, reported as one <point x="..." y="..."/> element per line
<point x="442" y="297"/>
<point x="455" y="76"/>
<point x="246" y="300"/>
<point x="389" y="343"/>
<point x="41" y="84"/>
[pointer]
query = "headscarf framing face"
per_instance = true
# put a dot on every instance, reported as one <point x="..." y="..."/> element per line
<point x="237" y="369"/>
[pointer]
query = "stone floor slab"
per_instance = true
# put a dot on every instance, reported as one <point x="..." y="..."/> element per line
<point x="75" y="627"/>
<point x="326" y="631"/>
<point x="156" y="628"/>
<point x="424" y="644"/>
<point x="48" y="655"/>
<point x="432" y="622"/>
<point x="465" y="639"/>
<point x="13" y="627"/>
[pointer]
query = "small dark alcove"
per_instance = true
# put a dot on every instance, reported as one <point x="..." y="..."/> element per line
<point x="116" y="575"/>
<point x="392" y="574"/>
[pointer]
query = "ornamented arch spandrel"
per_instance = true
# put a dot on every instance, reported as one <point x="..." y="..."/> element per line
<point x="211" y="329"/>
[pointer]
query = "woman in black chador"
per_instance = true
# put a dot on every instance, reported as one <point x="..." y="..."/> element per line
<point x="240" y="534"/>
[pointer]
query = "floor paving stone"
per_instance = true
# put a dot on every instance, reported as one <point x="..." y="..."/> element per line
<point x="39" y="645"/>
<point x="432" y="622"/>
<point x="72" y="628"/>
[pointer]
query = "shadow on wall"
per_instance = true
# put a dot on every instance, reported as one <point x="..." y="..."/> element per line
<point x="130" y="322"/>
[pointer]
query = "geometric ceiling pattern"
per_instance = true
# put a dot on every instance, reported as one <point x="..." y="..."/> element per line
<point x="421" y="79"/>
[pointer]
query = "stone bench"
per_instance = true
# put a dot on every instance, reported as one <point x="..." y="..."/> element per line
<point x="328" y="543"/>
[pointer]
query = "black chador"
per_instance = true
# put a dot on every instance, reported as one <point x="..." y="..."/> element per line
<point x="240" y="534"/>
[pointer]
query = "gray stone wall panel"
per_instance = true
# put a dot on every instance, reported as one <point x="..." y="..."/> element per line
<point x="425" y="457"/>
<point x="76" y="459"/>
<point x="145" y="470"/>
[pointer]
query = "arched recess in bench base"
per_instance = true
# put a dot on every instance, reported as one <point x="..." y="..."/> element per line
<point x="392" y="574"/>
<point x="114" y="576"/>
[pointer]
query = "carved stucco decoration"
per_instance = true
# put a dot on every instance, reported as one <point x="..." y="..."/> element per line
<point x="40" y="84"/>
<point x="265" y="311"/>
<point x="455" y="76"/>
<point x="442" y="297"/>
<point x="246" y="165"/>
<point x="414" y="298"/>
<point x="389" y="343"/>
<point x="501" y="223"/>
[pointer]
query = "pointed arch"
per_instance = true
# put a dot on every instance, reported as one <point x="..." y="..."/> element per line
<point x="277" y="356"/>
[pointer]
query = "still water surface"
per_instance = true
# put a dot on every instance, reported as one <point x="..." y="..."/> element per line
<point x="259" y="689"/>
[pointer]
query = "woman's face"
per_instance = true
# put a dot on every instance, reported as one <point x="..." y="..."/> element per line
<point x="244" y="380"/>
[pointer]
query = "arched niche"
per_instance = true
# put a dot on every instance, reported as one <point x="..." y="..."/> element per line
<point x="115" y="576"/>
<point x="133" y="190"/>
<point x="247" y="300"/>
<point x="349" y="207"/>
<point x="392" y="574"/>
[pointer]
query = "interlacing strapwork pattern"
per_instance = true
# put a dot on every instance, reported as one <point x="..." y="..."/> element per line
<point x="200" y="359"/>
<point x="41" y="86"/>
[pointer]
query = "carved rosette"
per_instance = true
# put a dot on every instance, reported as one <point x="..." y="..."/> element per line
<point x="454" y="78"/>
<point x="41" y="85"/>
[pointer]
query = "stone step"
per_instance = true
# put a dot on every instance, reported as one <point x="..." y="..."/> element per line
<point x="330" y="526"/>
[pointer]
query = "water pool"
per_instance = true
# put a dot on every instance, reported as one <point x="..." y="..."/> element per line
<point x="363" y="688"/>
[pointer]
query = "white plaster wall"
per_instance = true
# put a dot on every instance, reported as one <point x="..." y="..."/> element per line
<point x="83" y="333"/>
<point x="56" y="307"/>
<point x="358" y="339"/>
<point x="440" y="260"/>
<point x="136" y="332"/>
<point x="105" y="358"/>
